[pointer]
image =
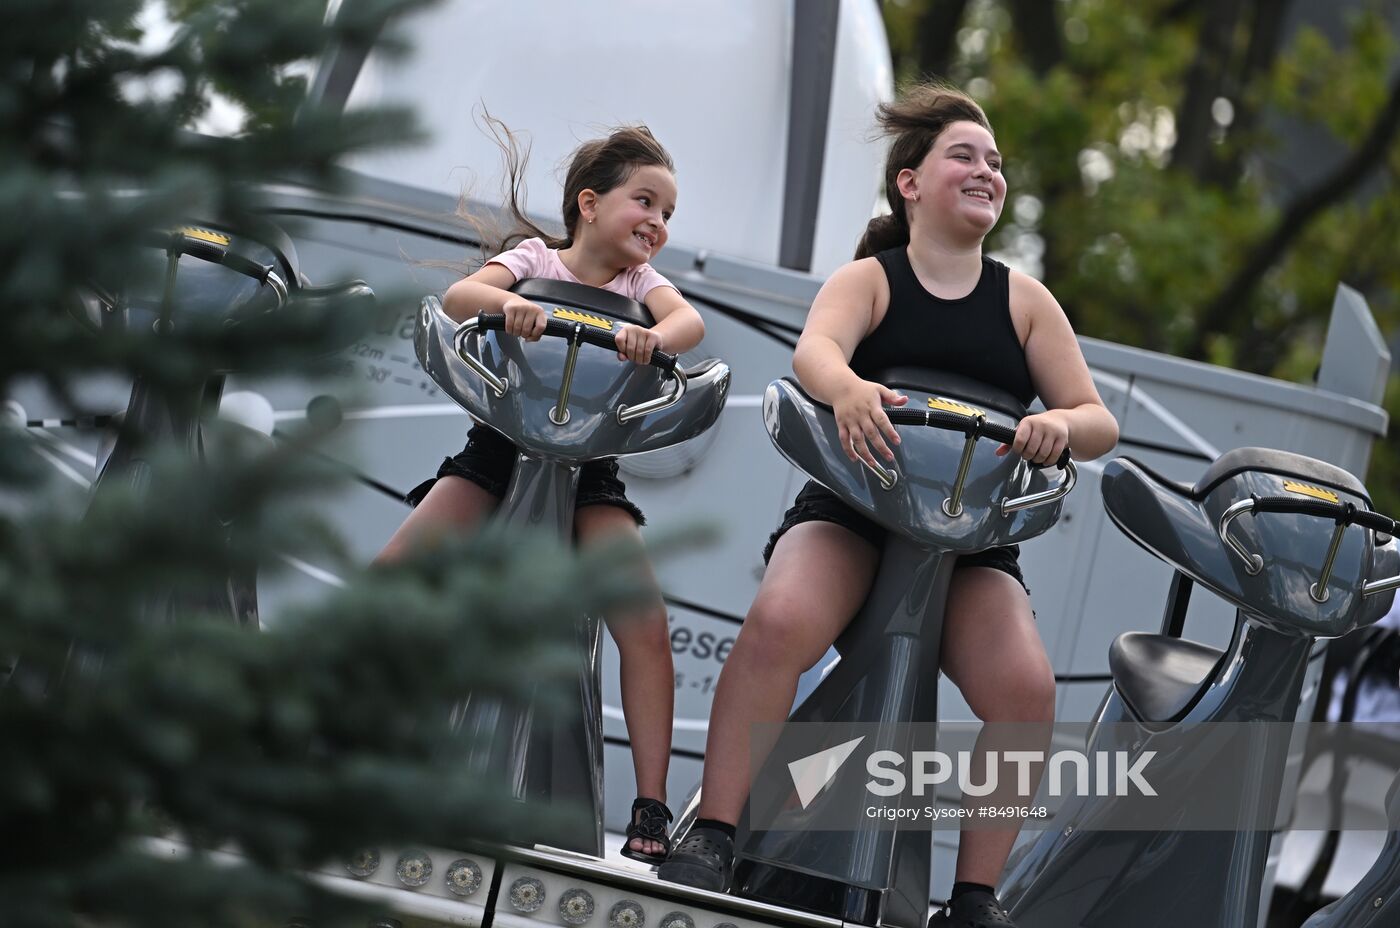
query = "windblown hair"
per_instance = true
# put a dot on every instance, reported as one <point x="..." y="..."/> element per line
<point x="599" y="165"/>
<point x="915" y="120"/>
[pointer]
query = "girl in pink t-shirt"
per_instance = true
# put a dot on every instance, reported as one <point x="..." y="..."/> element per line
<point x="619" y="194"/>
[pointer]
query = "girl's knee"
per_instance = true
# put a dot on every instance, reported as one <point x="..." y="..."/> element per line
<point x="1020" y="697"/>
<point x="605" y="523"/>
<point x="1038" y="701"/>
<point x="775" y="633"/>
<point x="1016" y="687"/>
<point x="644" y="634"/>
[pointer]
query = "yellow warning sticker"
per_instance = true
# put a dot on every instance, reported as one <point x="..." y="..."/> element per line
<point x="938" y="402"/>
<point x="1292" y="486"/>
<point x="205" y="235"/>
<point x="574" y="315"/>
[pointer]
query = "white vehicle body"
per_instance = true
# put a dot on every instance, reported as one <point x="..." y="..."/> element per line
<point x="713" y="80"/>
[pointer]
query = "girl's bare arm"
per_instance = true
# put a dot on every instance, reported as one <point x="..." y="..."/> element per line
<point x="485" y="291"/>
<point x="678" y="324"/>
<point x="840" y="317"/>
<point x="1061" y="375"/>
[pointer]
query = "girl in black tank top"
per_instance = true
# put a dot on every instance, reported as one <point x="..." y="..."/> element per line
<point x="944" y="185"/>
<point x="972" y="336"/>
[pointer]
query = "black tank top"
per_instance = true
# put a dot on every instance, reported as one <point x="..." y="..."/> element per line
<point x="972" y="336"/>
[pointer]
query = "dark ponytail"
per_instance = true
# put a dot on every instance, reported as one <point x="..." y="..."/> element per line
<point x="916" y="120"/>
<point x="883" y="233"/>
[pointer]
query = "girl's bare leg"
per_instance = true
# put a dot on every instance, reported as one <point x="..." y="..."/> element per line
<point x="993" y="652"/>
<point x="454" y="504"/>
<point x="816" y="580"/>
<point x="647" y="675"/>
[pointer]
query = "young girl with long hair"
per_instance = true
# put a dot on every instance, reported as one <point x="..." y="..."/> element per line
<point x="619" y="195"/>
<point x="920" y="293"/>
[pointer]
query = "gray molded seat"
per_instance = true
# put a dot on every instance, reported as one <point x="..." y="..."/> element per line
<point x="1284" y="463"/>
<point x="701" y="368"/>
<point x="1267" y="460"/>
<point x="586" y="297"/>
<point x="1159" y="677"/>
<point x="953" y="385"/>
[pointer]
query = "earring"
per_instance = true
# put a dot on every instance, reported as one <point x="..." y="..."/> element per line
<point x="916" y="198"/>
<point x="590" y="220"/>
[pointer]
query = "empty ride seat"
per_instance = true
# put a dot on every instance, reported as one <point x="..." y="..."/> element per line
<point x="1283" y="463"/>
<point x="701" y="367"/>
<point x="1159" y="677"/>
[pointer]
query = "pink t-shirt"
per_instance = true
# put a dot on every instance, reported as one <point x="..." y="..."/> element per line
<point x="532" y="258"/>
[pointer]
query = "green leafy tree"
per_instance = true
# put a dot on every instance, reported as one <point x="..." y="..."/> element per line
<point x="292" y="746"/>
<point x="1144" y="147"/>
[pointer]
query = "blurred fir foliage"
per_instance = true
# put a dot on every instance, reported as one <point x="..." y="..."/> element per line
<point x="296" y="745"/>
<point x="1190" y="176"/>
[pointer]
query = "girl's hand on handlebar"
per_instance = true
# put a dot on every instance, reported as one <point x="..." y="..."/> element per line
<point x="636" y="344"/>
<point x="525" y="319"/>
<point x="1040" y="438"/>
<point x="861" y="419"/>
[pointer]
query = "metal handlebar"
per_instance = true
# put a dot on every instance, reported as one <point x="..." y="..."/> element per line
<point x="1343" y="514"/>
<point x="211" y="246"/>
<point x="498" y="385"/>
<point x="887" y="476"/>
<point x="1031" y="500"/>
<point x="577" y="333"/>
<point x="1253" y="563"/>
<point x="974" y="427"/>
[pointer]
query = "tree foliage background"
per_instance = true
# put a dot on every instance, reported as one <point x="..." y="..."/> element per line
<point x="295" y="745"/>
<point x="1191" y="176"/>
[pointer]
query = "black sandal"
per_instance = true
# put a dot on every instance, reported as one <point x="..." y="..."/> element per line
<point x="649" y="820"/>
<point x="975" y="909"/>
<point x="704" y="859"/>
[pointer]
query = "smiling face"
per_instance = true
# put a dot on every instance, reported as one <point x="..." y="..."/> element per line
<point x="626" y="226"/>
<point x="958" y="187"/>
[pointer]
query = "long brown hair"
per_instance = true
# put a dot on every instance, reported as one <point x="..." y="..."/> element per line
<point x="916" y="120"/>
<point x="599" y="165"/>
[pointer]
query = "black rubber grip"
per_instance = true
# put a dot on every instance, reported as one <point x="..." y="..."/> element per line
<point x="957" y="422"/>
<point x="213" y="252"/>
<point x="1376" y="522"/>
<point x="999" y="432"/>
<point x="1305" y="507"/>
<point x="559" y="328"/>
<point x="1337" y="512"/>
<point x="176" y="242"/>
<point x="900" y="416"/>
<point x="198" y="248"/>
<point x="242" y="265"/>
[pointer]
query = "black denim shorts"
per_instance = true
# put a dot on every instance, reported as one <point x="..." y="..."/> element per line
<point x="815" y="503"/>
<point x="489" y="458"/>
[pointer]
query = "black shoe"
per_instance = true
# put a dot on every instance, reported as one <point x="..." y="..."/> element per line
<point x="972" y="910"/>
<point x="649" y="820"/>
<point x="704" y="859"/>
